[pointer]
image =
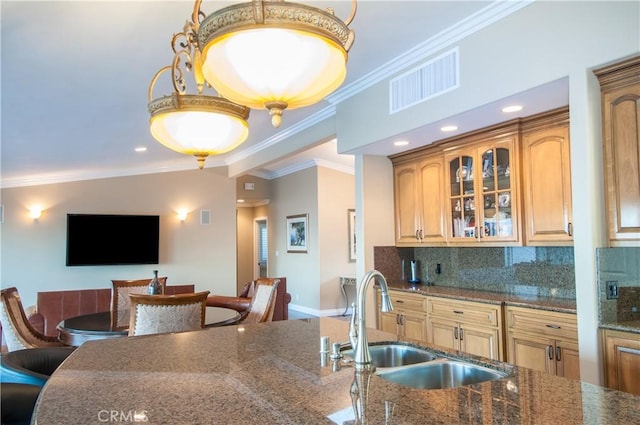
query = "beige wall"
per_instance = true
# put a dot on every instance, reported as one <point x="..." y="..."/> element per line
<point x="33" y="252"/>
<point x="245" y="241"/>
<point x="374" y="196"/>
<point x="312" y="278"/>
<point x="295" y="194"/>
<point x="336" y="195"/>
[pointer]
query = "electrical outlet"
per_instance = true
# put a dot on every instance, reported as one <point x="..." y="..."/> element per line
<point x="612" y="289"/>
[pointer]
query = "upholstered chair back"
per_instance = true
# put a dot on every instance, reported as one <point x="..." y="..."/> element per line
<point x="120" y="303"/>
<point x="18" y="332"/>
<point x="153" y="314"/>
<point x="263" y="301"/>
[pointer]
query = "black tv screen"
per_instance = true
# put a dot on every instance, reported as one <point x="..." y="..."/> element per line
<point x="102" y="239"/>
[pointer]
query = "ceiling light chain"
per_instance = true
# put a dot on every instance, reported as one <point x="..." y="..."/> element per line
<point x="198" y="125"/>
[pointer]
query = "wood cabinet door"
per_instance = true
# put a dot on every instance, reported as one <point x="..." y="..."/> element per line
<point x="482" y="188"/>
<point x="414" y="325"/>
<point x="567" y="360"/>
<point x="389" y="322"/>
<point x="443" y="333"/>
<point x="432" y="200"/>
<point x="621" y="138"/>
<point x="622" y="361"/>
<point x="547" y="186"/>
<point x="481" y="341"/>
<point x="532" y="352"/>
<point x="406" y="203"/>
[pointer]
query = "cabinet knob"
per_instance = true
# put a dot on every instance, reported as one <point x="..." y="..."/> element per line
<point x="570" y="229"/>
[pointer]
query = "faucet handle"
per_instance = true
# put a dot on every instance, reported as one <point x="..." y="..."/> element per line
<point x="353" y="327"/>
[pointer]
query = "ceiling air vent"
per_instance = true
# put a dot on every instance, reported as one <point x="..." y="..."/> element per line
<point x="430" y="79"/>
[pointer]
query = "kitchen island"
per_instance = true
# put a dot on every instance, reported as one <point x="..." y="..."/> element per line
<point x="273" y="373"/>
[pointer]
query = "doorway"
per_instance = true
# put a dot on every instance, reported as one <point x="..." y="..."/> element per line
<point x="261" y="248"/>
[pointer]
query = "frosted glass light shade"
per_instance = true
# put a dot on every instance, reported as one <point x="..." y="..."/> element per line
<point x="275" y="55"/>
<point x="198" y="125"/>
<point x="257" y="66"/>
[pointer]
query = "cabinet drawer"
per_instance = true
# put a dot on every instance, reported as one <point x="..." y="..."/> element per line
<point x="540" y="322"/>
<point x="464" y="311"/>
<point x="410" y="302"/>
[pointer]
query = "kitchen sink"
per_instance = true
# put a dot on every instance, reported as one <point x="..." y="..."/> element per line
<point x="395" y="355"/>
<point x="439" y="374"/>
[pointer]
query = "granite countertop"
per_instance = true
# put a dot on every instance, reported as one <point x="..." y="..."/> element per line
<point x="632" y="326"/>
<point x="273" y="373"/>
<point x="544" y="303"/>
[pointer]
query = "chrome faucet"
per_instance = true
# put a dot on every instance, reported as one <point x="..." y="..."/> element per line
<point x="358" y="327"/>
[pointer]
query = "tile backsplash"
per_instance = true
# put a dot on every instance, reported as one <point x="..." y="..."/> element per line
<point x="619" y="266"/>
<point x="525" y="271"/>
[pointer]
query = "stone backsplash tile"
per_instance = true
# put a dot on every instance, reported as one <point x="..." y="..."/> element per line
<point x="539" y="271"/>
<point x="622" y="266"/>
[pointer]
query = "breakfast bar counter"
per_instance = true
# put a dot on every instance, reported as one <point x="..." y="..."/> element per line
<point x="273" y="373"/>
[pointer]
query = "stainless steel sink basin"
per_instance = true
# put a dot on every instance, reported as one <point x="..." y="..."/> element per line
<point x="440" y="374"/>
<point x="395" y="355"/>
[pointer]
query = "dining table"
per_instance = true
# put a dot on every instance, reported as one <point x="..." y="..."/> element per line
<point x="77" y="330"/>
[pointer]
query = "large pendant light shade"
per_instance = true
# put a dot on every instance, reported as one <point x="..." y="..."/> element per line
<point x="198" y="125"/>
<point x="274" y="55"/>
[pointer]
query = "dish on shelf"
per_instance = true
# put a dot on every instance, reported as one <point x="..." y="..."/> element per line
<point x="504" y="200"/>
<point x="462" y="173"/>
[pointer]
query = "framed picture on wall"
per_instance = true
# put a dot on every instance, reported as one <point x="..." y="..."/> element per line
<point x="352" y="235"/>
<point x="297" y="233"/>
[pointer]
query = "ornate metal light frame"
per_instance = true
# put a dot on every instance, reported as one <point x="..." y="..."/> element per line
<point x="199" y="125"/>
<point x="305" y="24"/>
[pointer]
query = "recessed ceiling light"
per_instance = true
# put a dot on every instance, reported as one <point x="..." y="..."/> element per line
<point x="240" y="201"/>
<point x="448" y="128"/>
<point x="513" y="108"/>
<point x="141" y="149"/>
<point x="401" y="143"/>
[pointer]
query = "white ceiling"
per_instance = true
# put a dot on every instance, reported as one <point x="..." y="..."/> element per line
<point x="75" y="77"/>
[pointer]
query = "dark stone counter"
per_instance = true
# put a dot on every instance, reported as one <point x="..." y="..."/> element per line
<point x="273" y="373"/>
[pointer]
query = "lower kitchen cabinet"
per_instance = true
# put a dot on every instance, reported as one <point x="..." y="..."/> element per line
<point x="472" y="327"/>
<point x="543" y="340"/>
<point x="622" y="361"/>
<point x="408" y="318"/>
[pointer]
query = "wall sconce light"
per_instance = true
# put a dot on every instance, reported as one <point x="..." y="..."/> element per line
<point x="35" y="212"/>
<point x="182" y="214"/>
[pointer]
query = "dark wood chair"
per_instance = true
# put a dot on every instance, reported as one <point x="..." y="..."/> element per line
<point x="120" y="303"/>
<point x="18" y="332"/>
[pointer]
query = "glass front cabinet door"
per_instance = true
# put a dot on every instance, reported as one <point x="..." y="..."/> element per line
<point x="482" y="193"/>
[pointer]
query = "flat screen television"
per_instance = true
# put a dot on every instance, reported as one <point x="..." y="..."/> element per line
<point x="108" y="239"/>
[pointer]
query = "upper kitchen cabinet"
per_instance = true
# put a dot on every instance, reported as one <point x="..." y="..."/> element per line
<point x="419" y="201"/>
<point x="546" y="180"/>
<point x="482" y="189"/>
<point x="620" y="90"/>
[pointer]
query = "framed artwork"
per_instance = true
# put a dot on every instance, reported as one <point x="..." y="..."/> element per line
<point x="297" y="233"/>
<point x="352" y="235"/>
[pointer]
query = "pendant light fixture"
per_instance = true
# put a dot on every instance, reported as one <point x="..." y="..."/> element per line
<point x="194" y="124"/>
<point x="273" y="54"/>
